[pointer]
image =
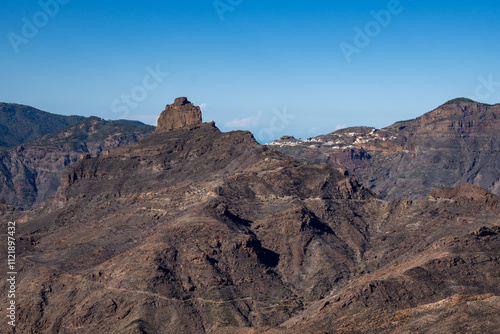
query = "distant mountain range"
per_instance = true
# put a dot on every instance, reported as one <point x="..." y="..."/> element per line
<point x="20" y="124"/>
<point x="38" y="145"/>
<point x="456" y="143"/>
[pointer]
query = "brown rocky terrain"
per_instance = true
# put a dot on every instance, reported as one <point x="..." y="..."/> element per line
<point x="30" y="173"/>
<point x="192" y="230"/>
<point x="454" y="144"/>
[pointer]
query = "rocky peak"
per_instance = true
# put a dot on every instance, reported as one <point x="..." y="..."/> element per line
<point x="460" y="100"/>
<point x="180" y="101"/>
<point x="178" y="115"/>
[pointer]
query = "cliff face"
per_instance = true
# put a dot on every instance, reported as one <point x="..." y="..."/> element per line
<point x="454" y="144"/>
<point x="178" y="115"/>
<point x="192" y="230"/>
<point x="458" y="124"/>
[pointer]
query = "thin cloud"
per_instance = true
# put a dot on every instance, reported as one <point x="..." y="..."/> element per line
<point x="245" y="122"/>
<point x="147" y="119"/>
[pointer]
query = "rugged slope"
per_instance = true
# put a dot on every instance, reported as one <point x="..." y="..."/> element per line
<point x="197" y="231"/>
<point x="20" y="124"/>
<point x="31" y="173"/>
<point x="454" y="144"/>
<point x="431" y="266"/>
<point x="187" y="230"/>
<point x="436" y="272"/>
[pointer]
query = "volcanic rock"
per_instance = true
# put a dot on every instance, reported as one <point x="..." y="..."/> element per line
<point x="467" y="193"/>
<point x="178" y="115"/>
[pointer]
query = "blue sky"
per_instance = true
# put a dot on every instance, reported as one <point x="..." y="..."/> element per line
<point x="301" y="68"/>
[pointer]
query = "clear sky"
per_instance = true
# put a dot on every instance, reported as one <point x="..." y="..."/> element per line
<point x="301" y="68"/>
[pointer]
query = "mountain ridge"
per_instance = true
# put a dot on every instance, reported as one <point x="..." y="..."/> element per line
<point x="453" y="144"/>
<point x="194" y="230"/>
<point x="30" y="172"/>
<point x="20" y="123"/>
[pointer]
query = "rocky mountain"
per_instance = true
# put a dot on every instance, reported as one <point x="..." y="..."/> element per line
<point x="30" y="173"/>
<point x="20" y="124"/>
<point x="192" y="230"/>
<point x="454" y="144"/>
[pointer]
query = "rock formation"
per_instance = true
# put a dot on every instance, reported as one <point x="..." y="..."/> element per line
<point x="178" y="115"/>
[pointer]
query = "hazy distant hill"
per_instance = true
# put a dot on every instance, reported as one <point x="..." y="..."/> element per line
<point x="20" y="124"/>
<point x="30" y="173"/>
<point x="456" y="143"/>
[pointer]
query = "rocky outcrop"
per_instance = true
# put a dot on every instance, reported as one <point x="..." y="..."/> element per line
<point x="178" y="115"/>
